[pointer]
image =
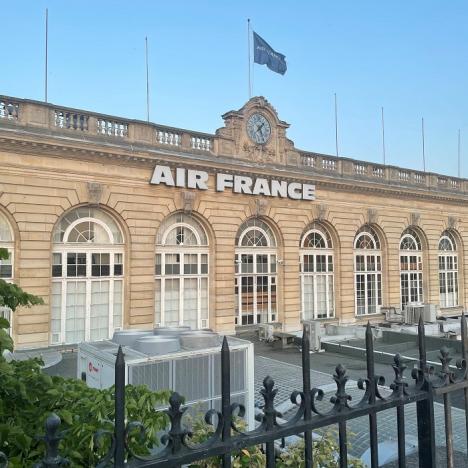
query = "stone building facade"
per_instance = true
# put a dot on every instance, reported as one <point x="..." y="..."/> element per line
<point x="120" y="223"/>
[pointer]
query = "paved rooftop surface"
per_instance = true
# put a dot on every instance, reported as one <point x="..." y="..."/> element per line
<point x="284" y="366"/>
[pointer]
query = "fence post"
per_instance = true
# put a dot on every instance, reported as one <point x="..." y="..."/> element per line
<point x="372" y="397"/>
<point x="306" y="390"/>
<point x="425" y="408"/>
<point x="119" y="425"/>
<point x="226" y="399"/>
<point x="464" y="341"/>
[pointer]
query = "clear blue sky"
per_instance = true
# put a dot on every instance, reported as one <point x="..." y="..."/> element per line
<point x="408" y="56"/>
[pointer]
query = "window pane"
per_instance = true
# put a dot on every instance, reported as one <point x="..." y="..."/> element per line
<point x="118" y="304"/>
<point x="321" y="263"/>
<point x="56" y="264"/>
<point x="204" y="264"/>
<point x="99" y="310"/>
<point x="262" y="263"/>
<point x="75" y="312"/>
<point x="118" y="264"/>
<point x="157" y="303"/>
<point x="308" y="297"/>
<point x="190" y="264"/>
<point x="171" y="302"/>
<point x="172" y="266"/>
<point x="157" y="269"/>
<point x="247" y="263"/>
<point x="191" y="302"/>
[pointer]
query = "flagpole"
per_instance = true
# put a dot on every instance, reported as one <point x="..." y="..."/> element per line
<point x="383" y="136"/>
<point x="147" y="81"/>
<point x="423" y="146"/>
<point x="459" y="165"/>
<point x="336" y="126"/>
<point x="46" y="50"/>
<point x="249" y="65"/>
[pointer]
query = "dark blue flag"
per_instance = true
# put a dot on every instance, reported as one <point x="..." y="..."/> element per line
<point x="265" y="55"/>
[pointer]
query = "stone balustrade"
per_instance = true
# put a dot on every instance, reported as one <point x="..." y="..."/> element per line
<point x="8" y="109"/>
<point x="37" y="114"/>
<point x="345" y="167"/>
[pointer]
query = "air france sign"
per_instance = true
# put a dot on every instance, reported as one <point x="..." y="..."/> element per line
<point x="195" y="179"/>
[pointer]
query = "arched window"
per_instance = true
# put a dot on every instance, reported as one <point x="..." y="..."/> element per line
<point x="181" y="273"/>
<point x="6" y="265"/>
<point x="411" y="268"/>
<point x="448" y="270"/>
<point x="367" y="271"/>
<point x="87" y="277"/>
<point x="316" y="259"/>
<point x="256" y="277"/>
<point x="6" y="242"/>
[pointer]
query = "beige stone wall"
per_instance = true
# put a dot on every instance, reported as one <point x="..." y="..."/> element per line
<point x="36" y="189"/>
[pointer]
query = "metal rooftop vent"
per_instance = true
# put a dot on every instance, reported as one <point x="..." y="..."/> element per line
<point x="155" y="345"/>
<point x="129" y="337"/>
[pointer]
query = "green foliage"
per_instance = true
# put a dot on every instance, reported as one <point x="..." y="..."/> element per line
<point x="28" y="396"/>
<point x="325" y="454"/>
<point x="3" y="253"/>
<point x="12" y="296"/>
<point x="247" y="457"/>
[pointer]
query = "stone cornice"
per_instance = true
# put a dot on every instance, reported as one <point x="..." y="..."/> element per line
<point x="59" y="146"/>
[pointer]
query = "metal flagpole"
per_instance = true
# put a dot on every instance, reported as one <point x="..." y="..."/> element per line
<point x="383" y="136"/>
<point x="423" y="149"/>
<point x="248" y="43"/>
<point x="336" y="125"/>
<point x="147" y="82"/>
<point x="46" y="49"/>
<point x="459" y="165"/>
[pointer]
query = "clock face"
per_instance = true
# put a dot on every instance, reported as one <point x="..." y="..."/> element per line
<point x="258" y="128"/>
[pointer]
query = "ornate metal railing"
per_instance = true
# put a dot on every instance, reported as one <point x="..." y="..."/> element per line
<point x="179" y="450"/>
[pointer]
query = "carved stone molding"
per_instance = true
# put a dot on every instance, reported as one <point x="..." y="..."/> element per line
<point x="262" y="205"/>
<point x="95" y="190"/>
<point x="259" y="153"/>
<point x="372" y="216"/>
<point x="452" y="222"/>
<point x="188" y="201"/>
<point x="415" y="218"/>
<point x="322" y="210"/>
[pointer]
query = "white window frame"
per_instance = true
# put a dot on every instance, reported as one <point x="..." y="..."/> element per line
<point x="448" y="299"/>
<point x="412" y="276"/>
<point x="9" y="246"/>
<point x="316" y="251"/>
<point x="63" y="248"/>
<point x="182" y="250"/>
<point x="270" y="250"/>
<point x="376" y="253"/>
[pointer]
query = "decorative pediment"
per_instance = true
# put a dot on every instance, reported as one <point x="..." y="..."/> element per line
<point x="239" y="138"/>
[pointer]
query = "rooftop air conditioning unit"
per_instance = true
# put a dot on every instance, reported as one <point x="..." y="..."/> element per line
<point x="315" y="334"/>
<point x="430" y="313"/>
<point x="412" y="313"/>
<point x="188" y="362"/>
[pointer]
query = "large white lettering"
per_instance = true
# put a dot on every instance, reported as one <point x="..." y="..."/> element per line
<point x="194" y="179"/>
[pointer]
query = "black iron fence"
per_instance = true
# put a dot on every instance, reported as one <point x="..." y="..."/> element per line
<point x="227" y="437"/>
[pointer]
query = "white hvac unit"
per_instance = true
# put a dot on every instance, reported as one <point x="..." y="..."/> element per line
<point x="315" y="334"/>
<point x="188" y="363"/>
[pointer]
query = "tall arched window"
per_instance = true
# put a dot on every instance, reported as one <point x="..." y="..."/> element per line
<point x="87" y="277"/>
<point x="367" y="271"/>
<point x="181" y="269"/>
<point x="316" y="259"/>
<point x="411" y="268"/>
<point x="6" y="265"/>
<point x="256" y="277"/>
<point x="448" y="270"/>
<point x="6" y="242"/>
